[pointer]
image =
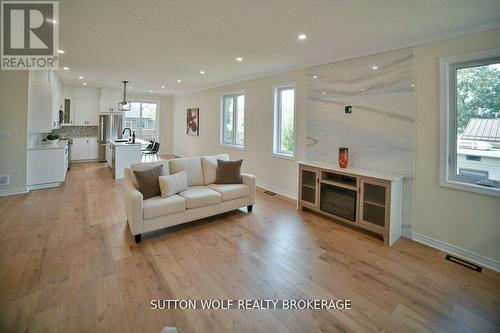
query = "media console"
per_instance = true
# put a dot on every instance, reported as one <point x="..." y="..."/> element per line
<point x="367" y="199"/>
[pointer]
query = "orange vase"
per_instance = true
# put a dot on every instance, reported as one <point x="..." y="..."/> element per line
<point x="343" y="157"/>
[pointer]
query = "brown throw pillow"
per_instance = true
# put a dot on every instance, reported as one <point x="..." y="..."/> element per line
<point x="228" y="172"/>
<point x="147" y="180"/>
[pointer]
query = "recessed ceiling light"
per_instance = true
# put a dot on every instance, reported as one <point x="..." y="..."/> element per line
<point x="130" y="87"/>
<point x="362" y="89"/>
<point x="315" y="76"/>
<point x="84" y="83"/>
<point x="151" y="91"/>
<point x="60" y="51"/>
<point x="66" y="68"/>
<point x="162" y="87"/>
<point x="81" y="77"/>
<point x="302" y="36"/>
<point x="239" y="59"/>
<point x="202" y="72"/>
<point x="324" y="92"/>
<point x="179" y="81"/>
<point x="412" y="85"/>
<point x="374" y="68"/>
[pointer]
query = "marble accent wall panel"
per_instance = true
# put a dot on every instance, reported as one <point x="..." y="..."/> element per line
<point x="380" y="130"/>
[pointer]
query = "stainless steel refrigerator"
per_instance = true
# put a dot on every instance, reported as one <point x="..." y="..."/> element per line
<point x="110" y="128"/>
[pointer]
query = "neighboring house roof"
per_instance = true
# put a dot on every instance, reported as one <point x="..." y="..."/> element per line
<point x="482" y="130"/>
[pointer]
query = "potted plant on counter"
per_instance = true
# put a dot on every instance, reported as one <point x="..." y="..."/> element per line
<point x="52" y="139"/>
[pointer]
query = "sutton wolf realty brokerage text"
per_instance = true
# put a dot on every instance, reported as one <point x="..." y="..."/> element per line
<point x="250" y="304"/>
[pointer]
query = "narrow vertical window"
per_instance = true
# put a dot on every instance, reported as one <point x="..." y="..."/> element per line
<point x="233" y="120"/>
<point x="284" y="121"/>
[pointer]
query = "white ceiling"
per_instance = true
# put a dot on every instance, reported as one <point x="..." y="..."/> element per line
<point x="155" y="42"/>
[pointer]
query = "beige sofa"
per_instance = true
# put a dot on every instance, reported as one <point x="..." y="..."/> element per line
<point x="203" y="198"/>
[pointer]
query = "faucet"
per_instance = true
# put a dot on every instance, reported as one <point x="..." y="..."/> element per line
<point x="129" y="131"/>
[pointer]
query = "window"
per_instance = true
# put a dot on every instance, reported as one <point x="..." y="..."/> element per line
<point x="142" y="118"/>
<point x="233" y="119"/>
<point x="284" y="121"/>
<point x="470" y="113"/>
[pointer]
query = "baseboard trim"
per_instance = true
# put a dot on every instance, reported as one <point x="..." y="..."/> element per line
<point x="287" y="194"/>
<point x="406" y="231"/>
<point x="43" y="186"/>
<point x="178" y="154"/>
<point x="13" y="191"/>
<point x="458" y="251"/>
<point x="84" y="161"/>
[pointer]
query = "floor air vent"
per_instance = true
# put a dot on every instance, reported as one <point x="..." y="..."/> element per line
<point x="464" y="263"/>
<point x="269" y="193"/>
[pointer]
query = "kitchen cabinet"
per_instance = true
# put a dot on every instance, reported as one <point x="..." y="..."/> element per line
<point x="109" y="99"/>
<point x="79" y="150"/>
<point x="47" y="166"/>
<point x="43" y="110"/>
<point x="86" y="111"/>
<point x="68" y="112"/>
<point x="85" y="149"/>
<point x="93" y="149"/>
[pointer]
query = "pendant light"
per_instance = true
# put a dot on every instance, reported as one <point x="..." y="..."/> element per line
<point x="124" y="105"/>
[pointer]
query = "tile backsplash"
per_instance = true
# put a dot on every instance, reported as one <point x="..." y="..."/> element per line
<point x="65" y="132"/>
<point x="77" y="131"/>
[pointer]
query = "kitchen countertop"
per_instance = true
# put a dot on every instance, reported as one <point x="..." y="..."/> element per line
<point x="120" y="144"/>
<point x="138" y="142"/>
<point x="60" y="145"/>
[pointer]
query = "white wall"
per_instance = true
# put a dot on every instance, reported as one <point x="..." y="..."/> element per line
<point x="462" y="219"/>
<point x="13" y="118"/>
<point x="276" y="174"/>
<point x="166" y="119"/>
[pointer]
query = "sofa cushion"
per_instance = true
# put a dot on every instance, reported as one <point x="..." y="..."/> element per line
<point x="231" y="191"/>
<point x="192" y="166"/>
<point x="200" y="196"/>
<point x="158" y="206"/>
<point x="172" y="184"/>
<point x="147" y="181"/>
<point x="228" y="172"/>
<point x="145" y="166"/>
<point x="209" y="164"/>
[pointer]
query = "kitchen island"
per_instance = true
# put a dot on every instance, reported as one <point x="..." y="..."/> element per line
<point x="120" y="155"/>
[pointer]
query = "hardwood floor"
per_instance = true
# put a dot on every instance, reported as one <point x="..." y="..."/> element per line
<point x="68" y="263"/>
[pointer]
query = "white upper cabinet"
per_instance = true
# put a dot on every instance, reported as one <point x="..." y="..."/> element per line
<point x="93" y="111"/>
<point x="68" y="112"/>
<point x="81" y="106"/>
<point x="109" y="99"/>
<point x="86" y="111"/>
<point x="43" y="101"/>
<point x="81" y="109"/>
